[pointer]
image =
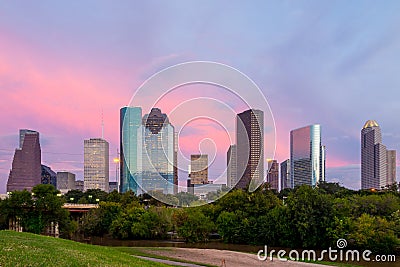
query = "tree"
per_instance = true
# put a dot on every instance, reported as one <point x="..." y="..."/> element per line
<point x="114" y="196"/>
<point x="94" y="196"/>
<point x="311" y="213"/>
<point x="48" y="209"/>
<point x="73" y="196"/>
<point x="375" y="233"/>
<point x="192" y="225"/>
<point x="98" y="221"/>
<point x="185" y="199"/>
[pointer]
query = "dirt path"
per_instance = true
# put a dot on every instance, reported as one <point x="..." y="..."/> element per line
<point x="219" y="257"/>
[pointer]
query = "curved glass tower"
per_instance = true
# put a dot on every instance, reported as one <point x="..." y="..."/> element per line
<point x="307" y="156"/>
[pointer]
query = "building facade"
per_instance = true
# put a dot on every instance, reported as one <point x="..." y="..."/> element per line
<point x="26" y="171"/>
<point x="378" y="165"/>
<point x="131" y="131"/>
<point x="391" y="167"/>
<point x="285" y="174"/>
<point x="250" y="148"/>
<point x="112" y="186"/>
<point x="158" y="154"/>
<point x="96" y="164"/>
<point x="231" y="169"/>
<point x="307" y="156"/>
<point x="66" y="181"/>
<point x="273" y="174"/>
<point x="48" y="176"/>
<point x="198" y="169"/>
<point x="79" y="185"/>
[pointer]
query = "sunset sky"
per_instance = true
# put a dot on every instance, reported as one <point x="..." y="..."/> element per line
<point x="64" y="63"/>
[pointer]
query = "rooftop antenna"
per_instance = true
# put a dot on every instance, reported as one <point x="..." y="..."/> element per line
<point x="102" y="124"/>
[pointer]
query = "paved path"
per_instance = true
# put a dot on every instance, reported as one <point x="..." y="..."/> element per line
<point x="223" y="258"/>
<point x="174" y="263"/>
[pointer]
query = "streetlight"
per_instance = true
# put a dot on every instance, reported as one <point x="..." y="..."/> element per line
<point x="116" y="161"/>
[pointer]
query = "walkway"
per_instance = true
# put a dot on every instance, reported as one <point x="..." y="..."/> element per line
<point x="174" y="263"/>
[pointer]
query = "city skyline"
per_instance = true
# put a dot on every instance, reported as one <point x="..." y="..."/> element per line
<point x="312" y="66"/>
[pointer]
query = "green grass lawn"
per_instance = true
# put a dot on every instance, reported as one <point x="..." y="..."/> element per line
<point x="25" y="249"/>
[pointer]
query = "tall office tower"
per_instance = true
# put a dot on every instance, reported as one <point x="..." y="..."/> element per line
<point x="250" y="147"/>
<point x="374" y="161"/>
<point x="131" y="148"/>
<point x="231" y="161"/>
<point x="198" y="169"/>
<point x="285" y="174"/>
<point x="391" y="167"/>
<point x="273" y="174"/>
<point x="307" y="156"/>
<point x="176" y="147"/>
<point x="48" y="176"/>
<point x="96" y="164"/>
<point x="26" y="166"/>
<point x="65" y="181"/>
<point x="157" y="153"/>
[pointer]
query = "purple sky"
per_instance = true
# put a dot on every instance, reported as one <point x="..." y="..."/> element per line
<point x="61" y="63"/>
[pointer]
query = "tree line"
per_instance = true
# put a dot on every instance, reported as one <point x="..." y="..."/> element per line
<point x="303" y="217"/>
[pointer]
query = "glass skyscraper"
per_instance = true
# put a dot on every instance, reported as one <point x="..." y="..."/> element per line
<point x="307" y="156"/>
<point x="158" y="153"/>
<point x="148" y="152"/>
<point x="130" y="147"/>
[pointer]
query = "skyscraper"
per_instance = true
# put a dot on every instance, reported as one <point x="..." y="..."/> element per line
<point x="307" y="156"/>
<point x="26" y="166"/>
<point x="231" y="170"/>
<point x="158" y="153"/>
<point x="285" y="174"/>
<point x="176" y="146"/>
<point x="96" y="164"/>
<point x="48" y="176"/>
<point x="65" y="181"/>
<point x="378" y="166"/>
<point x="250" y="147"/>
<point x="273" y="174"/>
<point x="391" y="167"/>
<point x="131" y="148"/>
<point x="198" y="169"/>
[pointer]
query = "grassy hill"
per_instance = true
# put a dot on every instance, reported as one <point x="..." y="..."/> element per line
<point x="25" y="249"/>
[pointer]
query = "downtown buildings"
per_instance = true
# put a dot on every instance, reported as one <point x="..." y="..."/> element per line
<point x="148" y="152"/>
<point x="96" y="164"/>
<point x="26" y="169"/>
<point x="307" y="156"/>
<point x="378" y="165"/>
<point x="273" y="174"/>
<point x="231" y="169"/>
<point x="249" y="148"/>
<point x="198" y="169"/>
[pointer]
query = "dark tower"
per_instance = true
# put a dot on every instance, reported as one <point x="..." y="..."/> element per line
<point x="250" y="147"/>
<point x="26" y="171"/>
